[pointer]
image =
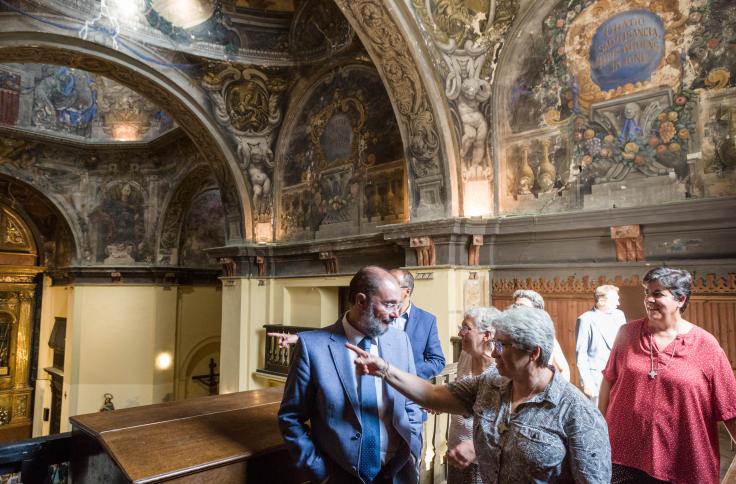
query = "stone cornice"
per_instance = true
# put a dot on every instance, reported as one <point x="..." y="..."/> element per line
<point x="106" y="275"/>
<point x="711" y="210"/>
<point x="48" y="137"/>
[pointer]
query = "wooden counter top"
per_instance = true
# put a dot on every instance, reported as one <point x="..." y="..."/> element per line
<point x="162" y="441"/>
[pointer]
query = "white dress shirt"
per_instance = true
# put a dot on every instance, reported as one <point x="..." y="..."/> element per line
<point x="389" y="436"/>
<point x="401" y="320"/>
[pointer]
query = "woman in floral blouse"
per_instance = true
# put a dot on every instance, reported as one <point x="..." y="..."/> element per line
<point x="530" y="425"/>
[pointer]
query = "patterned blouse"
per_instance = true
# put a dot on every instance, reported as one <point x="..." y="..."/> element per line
<point x="556" y="436"/>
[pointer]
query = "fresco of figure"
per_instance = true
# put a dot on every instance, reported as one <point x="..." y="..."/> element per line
<point x="65" y="99"/>
<point x="120" y="226"/>
<point x="630" y="129"/>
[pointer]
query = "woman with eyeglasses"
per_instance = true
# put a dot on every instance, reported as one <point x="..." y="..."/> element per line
<point x="476" y="332"/>
<point x="530" y="425"/>
<point x="666" y="386"/>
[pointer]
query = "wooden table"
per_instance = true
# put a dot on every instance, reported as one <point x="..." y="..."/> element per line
<point x="223" y="438"/>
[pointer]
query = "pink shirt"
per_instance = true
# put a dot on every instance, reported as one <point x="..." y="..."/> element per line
<point x="667" y="426"/>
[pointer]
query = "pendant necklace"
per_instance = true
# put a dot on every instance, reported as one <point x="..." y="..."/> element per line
<point x="653" y="371"/>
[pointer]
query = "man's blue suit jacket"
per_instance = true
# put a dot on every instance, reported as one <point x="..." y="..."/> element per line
<point x="425" y="342"/>
<point x="320" y="390"/>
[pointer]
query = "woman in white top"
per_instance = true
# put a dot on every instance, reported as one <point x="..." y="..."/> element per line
<point x="532" y="299"/>
<point x="476" y="333"/>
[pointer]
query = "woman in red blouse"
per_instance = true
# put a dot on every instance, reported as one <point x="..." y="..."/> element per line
<point x="666" y="386"/>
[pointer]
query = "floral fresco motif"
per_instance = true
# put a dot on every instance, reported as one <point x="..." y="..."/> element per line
<point x="593" y="78"/>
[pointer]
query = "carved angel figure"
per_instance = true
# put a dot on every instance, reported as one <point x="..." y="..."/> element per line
<point x="258" y="161"/>
<point x="465" y="85"/>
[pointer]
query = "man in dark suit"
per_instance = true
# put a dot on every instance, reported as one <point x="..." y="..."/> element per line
<point x="342" y="427"/>
<point x="421" y="327"/>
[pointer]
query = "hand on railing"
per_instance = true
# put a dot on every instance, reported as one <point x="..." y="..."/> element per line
<point x="284" y="340"/>
<point x="462" y="455"/>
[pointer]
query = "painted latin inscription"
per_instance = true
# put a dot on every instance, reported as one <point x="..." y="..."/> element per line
<point x="626" y="48"/>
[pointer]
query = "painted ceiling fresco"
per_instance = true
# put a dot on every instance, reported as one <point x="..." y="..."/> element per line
<point x="76" y="104"/>
<point x="124" y="207"/>
<point x="274" y="5"/>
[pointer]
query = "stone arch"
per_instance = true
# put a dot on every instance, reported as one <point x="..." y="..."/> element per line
<point x="511" y="62"/>
<point x="169" y="88"/>
<point x="204" y="348"/>
<point x="431" y="144"/>
<point x="175" y="207"/>
<point x="18" y="195"/>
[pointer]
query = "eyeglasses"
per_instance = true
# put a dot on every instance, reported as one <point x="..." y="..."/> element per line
<point x="390" y="306"/>
<point x="499" y="346"/>
<point x="464" y="329"/>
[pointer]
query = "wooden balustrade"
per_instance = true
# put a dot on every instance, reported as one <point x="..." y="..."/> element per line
<point x="277" y="359"/>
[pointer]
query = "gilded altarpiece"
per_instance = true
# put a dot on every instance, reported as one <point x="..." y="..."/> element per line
<point x="17" y="293"/>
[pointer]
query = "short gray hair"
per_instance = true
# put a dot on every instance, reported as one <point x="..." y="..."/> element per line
<point x="528" y="328"/>
<point x="483" y="317"/>
<point x="536" y="298"/>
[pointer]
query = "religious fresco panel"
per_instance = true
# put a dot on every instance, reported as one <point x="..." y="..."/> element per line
<point x="76" y="104"/>
<point x="343" y="169"/>
<point x="112" y="199"/>
<point x="640" y="91"/>
<point x="203" y="228"/>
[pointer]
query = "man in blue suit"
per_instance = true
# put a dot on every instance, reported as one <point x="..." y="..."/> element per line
<point x="339" y="426"/>
<point x="421" y="327"/>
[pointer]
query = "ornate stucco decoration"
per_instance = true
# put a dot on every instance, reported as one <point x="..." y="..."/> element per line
<point x="468" y="41"/>
<point x="246" y="103"/>
<point x="127" y="115"/>
<point x="391" y="53"/>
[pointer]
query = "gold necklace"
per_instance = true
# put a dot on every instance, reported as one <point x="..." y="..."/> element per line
<point x="653" y="371"/>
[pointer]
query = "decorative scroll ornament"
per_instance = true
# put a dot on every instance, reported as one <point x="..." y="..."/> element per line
<point x="246" y="103"/>
<point x="424" y="247"/>
<point x="629" y="243"/>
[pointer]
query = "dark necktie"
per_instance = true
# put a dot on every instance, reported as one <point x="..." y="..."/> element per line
<point x="370" y="448"/>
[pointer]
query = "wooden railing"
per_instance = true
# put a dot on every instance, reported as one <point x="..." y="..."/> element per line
<point x="278" y="359"/>
<point x="433" y="467"/>
<point x="43" y="459"/>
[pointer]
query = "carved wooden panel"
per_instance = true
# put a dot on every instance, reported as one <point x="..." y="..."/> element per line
<point x="14" y="234"/>
<point x="712" y="306"/>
